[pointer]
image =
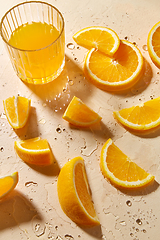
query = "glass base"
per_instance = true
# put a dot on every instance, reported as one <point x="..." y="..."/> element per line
<point x="42" y="80"/>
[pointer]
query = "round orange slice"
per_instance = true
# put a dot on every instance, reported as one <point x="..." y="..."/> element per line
<point x="34" y="151"/>
<point x="102" y="38"/>
<point x="7" y="184"/>
<point x="74" y="193"/>
<point x="143" y="117"/>
<point x="17" y="110"/>
<point x="79" y="114"/>
<point x="153" y="44"/>
<point x="120" y="170"/>
<point x="115" y="73"/>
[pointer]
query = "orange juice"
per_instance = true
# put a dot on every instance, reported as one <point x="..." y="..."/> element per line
<point x="39" y="52"/>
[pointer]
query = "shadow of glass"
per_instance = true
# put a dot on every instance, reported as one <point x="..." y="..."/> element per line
<point x="16" y="209"/>
<point x="58" y="93"/>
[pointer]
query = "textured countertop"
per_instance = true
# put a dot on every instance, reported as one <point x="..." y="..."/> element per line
<point x="32" y="210"/>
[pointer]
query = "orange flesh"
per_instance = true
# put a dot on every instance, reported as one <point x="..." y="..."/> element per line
<point x="22" y="107"/>
<point x="10" y="106"/>
<point x="80" y="112"/>
<point x="37" y="145"/>
<point x="120" y="67"/>
<point x="94" y="38"/>
<point x="82" y="190"/>
<point x="121" y="166"/>
<point x="155" y="41"/>
<point x="5" y="185"/>
<point x="142" y="115"/>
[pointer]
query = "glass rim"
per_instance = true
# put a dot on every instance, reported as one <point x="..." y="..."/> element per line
<point x="33" y="50"/>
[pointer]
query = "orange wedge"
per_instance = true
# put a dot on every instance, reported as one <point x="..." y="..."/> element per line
<point x="7" y="184"/>
<point x="153" y="44"/>
<point x="34" y="151"/>
<point x="102" y="38"/>
<point x="143" y="117"/>
<point x="17" y="110"/>
<point x="120" y="170"/>
<point x="115" y="73"/>
<point x="79" y="114"/>
<point x="74" y="193"/>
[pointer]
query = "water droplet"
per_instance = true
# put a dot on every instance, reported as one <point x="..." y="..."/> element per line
<point x="59" y="237"/>
<point x="131" y="234"/>
<point x="104" y="237"/>
<point x="69" y="237"/>
<point x="126" y="38"/>
<point x="137" y="229"/>
<point x="44" y="104"/>
<point x="39" y="230"/>
<point x="76" y="59"/>
<point x="3" y="115"/>
<point x="114" y="61"/>
<point x="129" y="203"/>
<point x="135" y="43"/>
<point x="42" y="121"/>
<point x="37" y="227"/>
<point x="144" y="230"/>
<point x="123" y="223"/>
<point x="145" y="48"/>
<point x="138" y="221"/>
<point x="2" y="149"/>
<point x="58" y="130"/>
<point x="64" y="90"/>
<point x="70" y="82"/>
<point x="105" y="210"/>
<point x="70" y="46"/>
<point x="30" y="183"/>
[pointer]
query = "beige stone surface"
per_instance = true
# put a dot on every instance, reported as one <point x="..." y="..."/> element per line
<point x="32" y="210"/>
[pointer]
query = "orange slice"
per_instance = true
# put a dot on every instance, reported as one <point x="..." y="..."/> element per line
<point x="143" y="117"/>
<point x="79" y="114"/>
<point x="74" y="193"/>
<point x="115" y="73"/>
<point x="153" y="44"/>
<point x="34" y="151"/>
<point x="102" y="38"/>
<point x="17" y="110"/>
<point x="120" y="170"/>
<point x="7" y="184"/>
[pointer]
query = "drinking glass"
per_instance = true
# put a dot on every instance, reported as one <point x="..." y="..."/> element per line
<point x="35" y="63"/>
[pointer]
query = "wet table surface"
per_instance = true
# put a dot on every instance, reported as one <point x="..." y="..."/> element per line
<point x="32" y="210"/>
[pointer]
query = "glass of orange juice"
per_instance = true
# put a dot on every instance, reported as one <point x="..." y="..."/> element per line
<point x="34" y="35"/>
